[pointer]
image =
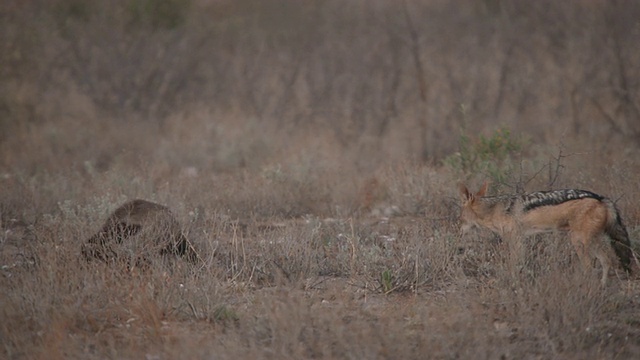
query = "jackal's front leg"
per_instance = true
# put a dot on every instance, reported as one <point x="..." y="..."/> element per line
<point x="516" y="250"/>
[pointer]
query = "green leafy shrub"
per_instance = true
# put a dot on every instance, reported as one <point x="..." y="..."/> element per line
<point x="386" y="281"/>
<point x="491" y="155"/>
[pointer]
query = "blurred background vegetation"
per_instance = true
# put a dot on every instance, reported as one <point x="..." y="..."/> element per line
<point x="219" y="85"/>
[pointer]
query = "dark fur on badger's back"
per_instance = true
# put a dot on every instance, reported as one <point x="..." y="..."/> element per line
<point x="137" y="231"/>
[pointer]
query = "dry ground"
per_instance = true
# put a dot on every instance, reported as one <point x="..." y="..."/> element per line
<point x="362" y="286"/>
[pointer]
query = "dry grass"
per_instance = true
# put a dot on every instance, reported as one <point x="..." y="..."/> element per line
<point x="293" y="143"/>
<point x="273" y="286"/>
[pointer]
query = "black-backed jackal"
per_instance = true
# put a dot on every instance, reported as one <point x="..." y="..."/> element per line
<point x="584" y="215"/>
<point x="136" y="232"/>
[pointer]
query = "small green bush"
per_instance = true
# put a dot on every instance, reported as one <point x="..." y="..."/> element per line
<point x="491" y="155"/>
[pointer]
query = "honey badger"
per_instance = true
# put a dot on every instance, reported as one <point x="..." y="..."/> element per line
<point x="136" y="232"/>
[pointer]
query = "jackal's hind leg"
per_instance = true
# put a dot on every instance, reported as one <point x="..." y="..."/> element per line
<point x="605" y="255"/>
<point x="589" y="246"/>
<point x="605" y="263"/>
<point x="580" y="242"/>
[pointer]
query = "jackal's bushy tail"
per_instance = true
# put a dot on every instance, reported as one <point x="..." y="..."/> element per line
<point x="619" y="236"/>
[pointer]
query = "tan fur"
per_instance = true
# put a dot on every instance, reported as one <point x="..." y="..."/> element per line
<point x="586" y="221"/>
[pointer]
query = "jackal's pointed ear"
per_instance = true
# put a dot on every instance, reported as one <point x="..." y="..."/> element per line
<point x="465" y="194"/>
<point x="483" y="190"/>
